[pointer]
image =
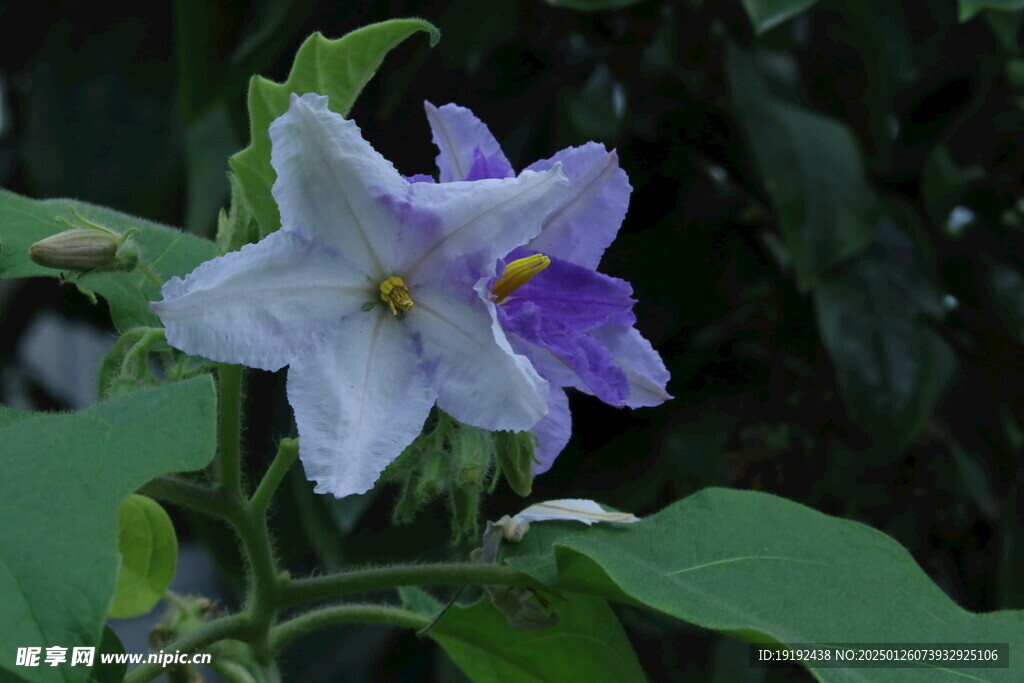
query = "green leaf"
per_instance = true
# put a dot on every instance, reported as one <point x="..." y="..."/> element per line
<point x="765" y="569"/>
<point x="166" y="250"/>
<point x="891" y="365"/>
<point x="587" y="644"/>
<point x="767" y="14"/>
<point x="336" y="68"/>
<point x="65" y="476"/>
<point x="209" y="140"/>
<point x="943" y="183"/>
<point x="968" y="8"/>
<point x="811" y="167"/>
<point x="108" y="673"/>
<point x="149" y="556"/>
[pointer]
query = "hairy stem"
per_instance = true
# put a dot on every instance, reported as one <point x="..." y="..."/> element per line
<point x="229" y="427"/>
<point x="294" y="628"/>
<point x="287" y="452"/>
<point x="334" y="585"/>
<point x="221" y="629"/>
<point x="188" y="494"/>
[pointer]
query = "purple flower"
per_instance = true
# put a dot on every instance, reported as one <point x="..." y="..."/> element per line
<point x="573" y="323"/>
<point x="376" y="293"/>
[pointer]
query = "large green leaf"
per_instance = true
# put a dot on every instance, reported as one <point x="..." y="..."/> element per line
<point x="166" y="250"/>
<point x="811" y="167"/>
<point x="336" y="68"/>
<point x="968" y="8"/>
<point x="766" y="14"/>
<point x="149" y="556"/>
<point x="765" y="569"/>
<point x="892" y="366"/>
<point x="65" y="476"/>
<point x="587" y="644"/>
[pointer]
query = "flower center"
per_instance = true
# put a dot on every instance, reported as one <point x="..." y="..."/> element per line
<point x="517" y="274"/>
<point x="395" y="294"/>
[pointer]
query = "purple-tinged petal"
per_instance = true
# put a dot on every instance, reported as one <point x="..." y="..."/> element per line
<point x="466" y="145"/>
<point x="359" y="398"/>
<point x="328" y="181"/>
<point x="643" y="366"/>
<point x="586" y="222"/>
<point x="481" y="222"/>
<point x="479" y="380"/>
<point x="263" y="305"/>
<point x="587" y="357"/>
<point x="420" y="178"/>
<point x="580" y="297"/>
<point x="553" y="431"/>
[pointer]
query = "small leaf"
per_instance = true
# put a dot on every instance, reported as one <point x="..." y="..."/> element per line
<point x="65" y="476"/>
<point x="149" y="555"/>
<point x="167" y="251"/>
<point x="336" y="68"/>
<point x="767" y="14"/>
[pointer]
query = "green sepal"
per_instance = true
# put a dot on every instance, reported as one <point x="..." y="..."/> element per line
<point x="237" y="226"/>
<point x="516" y="459"/>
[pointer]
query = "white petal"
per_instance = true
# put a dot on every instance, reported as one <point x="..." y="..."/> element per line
<point x="359" y="400"/>
<point x="478" y="378"/>
<point x="572" y="509"/>
<point x="262" y="305"/>
<point x="481" y="221"/>
<point x="330" y="181"/>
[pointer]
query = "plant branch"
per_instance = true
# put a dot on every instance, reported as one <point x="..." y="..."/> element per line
<point x="287" y="451"/>
<point x="294" y="628"/>
<point x="334" y="585"/>
<point x="229" y="427"/>
<point x="187" y="494"/>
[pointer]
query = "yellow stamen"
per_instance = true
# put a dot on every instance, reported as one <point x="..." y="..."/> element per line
<point x="395" y="294"/>
<point x="518" y="273"/>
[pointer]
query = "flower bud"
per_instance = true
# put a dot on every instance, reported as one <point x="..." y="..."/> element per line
<point x="82" y="250"/>
<point x="516" y="459"/>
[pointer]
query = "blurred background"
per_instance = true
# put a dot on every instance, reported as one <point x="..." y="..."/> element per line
<point x="824" y="238"/>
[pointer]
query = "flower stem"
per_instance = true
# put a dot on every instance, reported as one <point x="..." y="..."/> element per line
<point x="287" y="451"/>
<point x="229" y="427"/>
<point x="294" y="628"/>
<point x="333" y="585"/>
<point x="150" y="274"/>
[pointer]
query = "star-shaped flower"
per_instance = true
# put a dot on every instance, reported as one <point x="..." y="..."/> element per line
<point x="573" y="323"/>
<point x="375" y="292"/>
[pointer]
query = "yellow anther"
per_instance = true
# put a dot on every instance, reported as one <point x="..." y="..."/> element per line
<point x="395" y="294"/>
<point x="518" y="273"/>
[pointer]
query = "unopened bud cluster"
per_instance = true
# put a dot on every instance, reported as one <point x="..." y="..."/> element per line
<point x="460" y="463"/>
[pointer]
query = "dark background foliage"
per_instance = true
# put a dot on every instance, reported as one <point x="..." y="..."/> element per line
<point x="824" y="238"/>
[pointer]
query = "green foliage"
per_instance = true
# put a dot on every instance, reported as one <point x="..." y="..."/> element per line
<point x="65" y="476"/>
<point x="587" y="644"/>
<point x="767" y="14"/>
<point x="149" y="556"/>
<point x="764" y="569"/>
<point x="968" y="8"/>
<point x="892" y="366"/>
<point x="165" y="250"/>
<point x="336" y="68"/>
<point x="811" y="168"/>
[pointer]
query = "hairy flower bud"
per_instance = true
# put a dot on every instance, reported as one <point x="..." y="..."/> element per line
<point x="83" y="250"/>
